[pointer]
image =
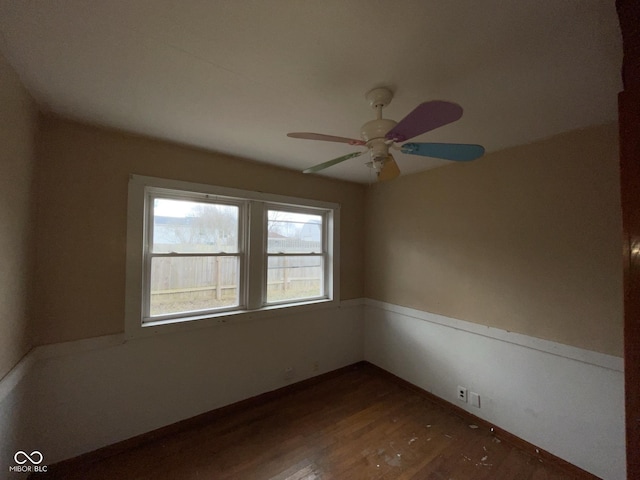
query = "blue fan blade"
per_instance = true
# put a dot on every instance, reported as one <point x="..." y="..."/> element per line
<point x="458" y="152"/>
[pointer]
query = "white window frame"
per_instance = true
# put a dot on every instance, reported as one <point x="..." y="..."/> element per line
<point x="252" y="253"/>
<point x="152" y="193"/>
<point x="323" y="254"/>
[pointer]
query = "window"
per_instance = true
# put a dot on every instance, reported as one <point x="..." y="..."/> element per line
<point x="295" y="255"/>
<point x="192" y="260"/>
<point x="198" y="252"/>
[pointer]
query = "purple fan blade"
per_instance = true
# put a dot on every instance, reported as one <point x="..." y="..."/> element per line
<point x="326" y="138"/>
<point x="424" y="118"/>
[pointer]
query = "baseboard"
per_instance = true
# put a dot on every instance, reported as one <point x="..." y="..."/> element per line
<point x="86" y="459"/>
<point x="503" y="435"/>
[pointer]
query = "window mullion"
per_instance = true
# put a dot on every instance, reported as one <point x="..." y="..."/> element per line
<point x="256" y="264"/>
<point x="331" y="254"/>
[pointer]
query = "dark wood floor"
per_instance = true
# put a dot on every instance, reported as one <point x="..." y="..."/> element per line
<point x="359" y="424"/>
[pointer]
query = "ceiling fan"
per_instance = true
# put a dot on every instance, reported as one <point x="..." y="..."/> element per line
<point x="382" y="133"/>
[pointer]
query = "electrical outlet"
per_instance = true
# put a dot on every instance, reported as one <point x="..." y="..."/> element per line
<point x="474" y="399"/>
<point x="462" y="394"/>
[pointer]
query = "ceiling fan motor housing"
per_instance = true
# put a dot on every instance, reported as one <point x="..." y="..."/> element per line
<point x="376" y="129"/>
<point x="373" y="133"/>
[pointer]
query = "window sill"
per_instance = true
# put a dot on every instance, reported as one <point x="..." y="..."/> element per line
<point x="151" y="328"/>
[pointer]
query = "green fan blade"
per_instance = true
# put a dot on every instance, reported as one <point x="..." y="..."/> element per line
<point x="330" y="163"/>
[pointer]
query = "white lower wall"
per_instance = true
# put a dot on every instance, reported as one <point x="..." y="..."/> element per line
<point x="562" y="399"/>
<point x="68" y="399"/>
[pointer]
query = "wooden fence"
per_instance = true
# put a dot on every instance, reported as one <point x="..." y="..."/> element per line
<point x="218" y="276"/>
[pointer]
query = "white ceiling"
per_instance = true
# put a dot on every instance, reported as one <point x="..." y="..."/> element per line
<point x="235" y="76"/>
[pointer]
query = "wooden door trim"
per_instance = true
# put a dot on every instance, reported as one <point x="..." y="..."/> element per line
<point x="629" y="121"/>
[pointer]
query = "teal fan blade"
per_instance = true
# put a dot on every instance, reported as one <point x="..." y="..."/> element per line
<point x="458" y="152"/>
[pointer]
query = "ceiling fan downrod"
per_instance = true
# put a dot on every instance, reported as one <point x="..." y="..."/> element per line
<point x="374" y="131"/>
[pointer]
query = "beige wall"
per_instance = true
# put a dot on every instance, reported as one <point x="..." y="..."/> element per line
<point x="527" y="239"/>
<point x="17" y="139"/>
<point x="83" y="174"/>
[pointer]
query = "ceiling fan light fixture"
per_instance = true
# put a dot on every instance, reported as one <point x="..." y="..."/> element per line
<point x="377" y="164"/>
<point x="379" y="150"/>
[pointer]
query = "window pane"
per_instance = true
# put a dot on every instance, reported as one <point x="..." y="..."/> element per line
<point x="294" y="278"/>
<point x="189" y="284"/>
<point x="289" y="232"/>
<point x="194" y="227"/>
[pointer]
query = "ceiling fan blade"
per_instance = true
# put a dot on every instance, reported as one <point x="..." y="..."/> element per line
<point x="389" y="170"/>
<point x="425" y="117"/>
<point x="322" y="166"/>
<point x="458" y="152"/>
<point x="326" y="138"/>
